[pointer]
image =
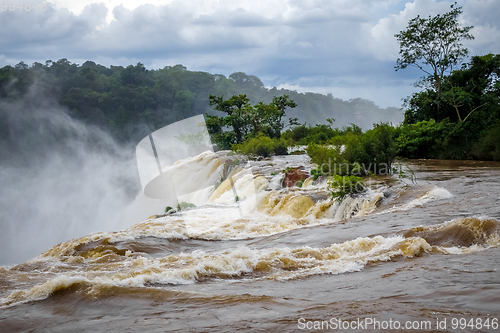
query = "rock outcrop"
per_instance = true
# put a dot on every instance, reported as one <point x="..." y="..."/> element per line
<point x="293" y="176"/>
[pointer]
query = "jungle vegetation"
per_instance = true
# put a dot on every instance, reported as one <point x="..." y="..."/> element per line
<point x="455" y="115"/>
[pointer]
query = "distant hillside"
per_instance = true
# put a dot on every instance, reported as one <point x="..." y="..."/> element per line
<point x="131" y="101"/>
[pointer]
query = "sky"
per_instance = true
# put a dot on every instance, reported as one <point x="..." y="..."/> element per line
<point x="343" y="47"/>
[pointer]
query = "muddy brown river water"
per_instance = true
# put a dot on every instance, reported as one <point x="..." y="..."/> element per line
<point x="421" y="257"/>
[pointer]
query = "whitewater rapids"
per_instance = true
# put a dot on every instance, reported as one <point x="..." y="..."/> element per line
<point x="245" y="243"/>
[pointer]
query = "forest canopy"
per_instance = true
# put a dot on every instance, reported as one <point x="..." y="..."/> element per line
<point x="132" y="101"/>
<point x="455" y="115"/>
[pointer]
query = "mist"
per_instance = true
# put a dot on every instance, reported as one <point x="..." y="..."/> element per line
<point x="61" y="179"/>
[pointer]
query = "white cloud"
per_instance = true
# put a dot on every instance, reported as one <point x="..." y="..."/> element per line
<point x="483" y="14"/>
<point x="77" y="7"/>
<point x="382" y="43"/>
<point x="314" y="44"/>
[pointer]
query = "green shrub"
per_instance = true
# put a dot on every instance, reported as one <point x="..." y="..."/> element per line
<point x="323" y="155"/>
<point x="280" y="147"/>
<point x="304" y="135"/>
<point x="380" y="146"/>
<point x="315" y="172"/>
<point x="356" y="153"/>
<point x="184" y="205"/>
<point x="431" y="139"/>
<point x="342" y="186"/>
<point x="488" y="147"/>
<point x="398" y="171"/>
<point x="418" y="140"/>
<point x="262" y="145"/>
<point x="296" y="133"/>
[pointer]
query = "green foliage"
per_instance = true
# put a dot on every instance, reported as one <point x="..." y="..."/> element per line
<point x="488" y="147"/>
<point x="304" y="135"/>
<point x="280" y="147"/>
<point x="325" y="156"/>
<point x="379" y="144"/>
<point x="132" y="101"/>
<point x="244" y="120"/>
<point x="167" y="209"/>
<point x="434" y="45"/>
<point x="462" y="123"/>
<point x="468" y="95"/>
<point x="316" y="172"/>
<point x="457" y="115"/>
<point x="473" y="92"/>
<point x="261" y="145"/>
<point x="319" y="134"/>
<point x="417" y="140"/>
<point x="356" y="153"/>
<point x="184" y="205"/>
<point x="194" y="139"/>
<point x="460" y="120"/>
<point x="397" y="170"/>
<point x="342" y="186"/>
<point x="237" y="109"/>
<point x="441" y="140"/>
<point x="280" y="103"/>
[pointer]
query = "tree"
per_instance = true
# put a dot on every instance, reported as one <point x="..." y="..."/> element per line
<point x="236" y="109"/>
<point x="469" y="94"/>
<point x="246" y="120"/>
<point x="458" y="97"/>
<point x="280" y="103"/>
<point x="475" y="87"/>
<point x="242" y="80"/>
<point x="434" y="46"/>
<point x="330" y="121"/>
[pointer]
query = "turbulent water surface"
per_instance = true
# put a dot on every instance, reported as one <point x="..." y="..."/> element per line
<point x="255" y="256"/>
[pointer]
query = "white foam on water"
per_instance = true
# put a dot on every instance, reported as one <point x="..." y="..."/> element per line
<point x="185" y="268"/>
<point x="276" y="263"/>
<point x="437" y="193"/>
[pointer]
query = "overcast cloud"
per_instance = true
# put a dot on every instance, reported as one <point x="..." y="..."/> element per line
<point x="343" y="47"/>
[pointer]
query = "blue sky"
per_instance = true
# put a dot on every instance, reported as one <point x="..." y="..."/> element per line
<point x="343" y="47"/>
